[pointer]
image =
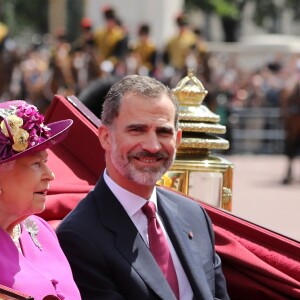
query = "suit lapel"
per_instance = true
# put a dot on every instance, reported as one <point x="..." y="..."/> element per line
<point x="187" y="249"/>
<point x="129" y="242"/>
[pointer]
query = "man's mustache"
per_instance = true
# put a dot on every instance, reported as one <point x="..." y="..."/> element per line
<point x="140" y="154"/>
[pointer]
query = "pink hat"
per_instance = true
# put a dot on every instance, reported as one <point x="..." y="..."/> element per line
<point x="22" y="130"/>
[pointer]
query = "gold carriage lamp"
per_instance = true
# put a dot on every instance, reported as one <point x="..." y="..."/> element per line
<point x="195" y="171"/>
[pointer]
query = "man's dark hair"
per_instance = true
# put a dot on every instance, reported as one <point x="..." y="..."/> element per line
<point x="141" y="85"/>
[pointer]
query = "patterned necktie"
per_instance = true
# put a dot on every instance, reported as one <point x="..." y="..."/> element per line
<point x="159" y="247"/>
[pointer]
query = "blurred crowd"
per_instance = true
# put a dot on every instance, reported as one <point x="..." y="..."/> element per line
<point x="88" y="66"/>
<point x="54" y="65"/>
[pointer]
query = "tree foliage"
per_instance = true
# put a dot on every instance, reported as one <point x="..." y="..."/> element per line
<point x="230" y="12"/>
<point x="233" y="8"/>
<point x="223" y="8"/>
<point x="19" y="14"/>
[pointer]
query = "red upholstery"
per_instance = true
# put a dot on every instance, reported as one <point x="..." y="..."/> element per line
<point x="258" y="264"/>
<point x="77" y="162"/>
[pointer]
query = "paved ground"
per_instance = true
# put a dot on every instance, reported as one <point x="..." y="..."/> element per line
<point x="259" y="196"/>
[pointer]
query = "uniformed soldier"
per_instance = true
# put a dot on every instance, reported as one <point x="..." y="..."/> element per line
<point x="145" y="51"/>
<point x="110" y="40"/>
<point x="178" y="47"/>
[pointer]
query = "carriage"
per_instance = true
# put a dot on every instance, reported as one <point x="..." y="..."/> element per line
<point x="258" y="263"/>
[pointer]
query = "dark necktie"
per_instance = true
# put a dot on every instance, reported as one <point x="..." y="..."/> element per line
<point x="159" y="247"/>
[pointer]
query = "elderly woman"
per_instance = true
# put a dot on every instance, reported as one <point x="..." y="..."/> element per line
<point x="31" y="260"/>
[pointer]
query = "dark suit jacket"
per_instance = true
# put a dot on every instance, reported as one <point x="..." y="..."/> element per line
<point x="110" y="260"/>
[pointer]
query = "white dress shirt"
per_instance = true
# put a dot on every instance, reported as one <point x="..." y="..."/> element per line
<point x="133" y="204"/>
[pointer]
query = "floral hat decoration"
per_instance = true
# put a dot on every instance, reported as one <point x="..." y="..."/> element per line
<point x="22" y="130"/>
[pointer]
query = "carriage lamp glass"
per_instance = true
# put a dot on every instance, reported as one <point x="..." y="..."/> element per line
<point x="206" y="186"/>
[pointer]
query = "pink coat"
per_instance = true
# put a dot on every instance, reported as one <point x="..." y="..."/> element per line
<point x="36" y="272"/>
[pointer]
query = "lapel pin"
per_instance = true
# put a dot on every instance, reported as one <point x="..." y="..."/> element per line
<point x="190" y="235"/>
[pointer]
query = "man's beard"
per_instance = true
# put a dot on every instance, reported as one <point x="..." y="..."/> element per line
<point x="141" y="175"/>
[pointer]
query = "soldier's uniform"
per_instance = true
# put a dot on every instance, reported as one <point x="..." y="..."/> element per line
<point x="145" y="50"/>
<point x="109" y="40"/>
<point x="179" y="46"/>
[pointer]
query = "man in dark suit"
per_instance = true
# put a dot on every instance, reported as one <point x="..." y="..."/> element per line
<point x="106" y="237"/>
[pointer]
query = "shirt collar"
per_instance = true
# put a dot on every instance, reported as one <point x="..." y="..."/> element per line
<point x="132" y="203"/>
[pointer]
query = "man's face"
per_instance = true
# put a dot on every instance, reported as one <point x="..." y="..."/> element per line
<point x="141" y="145"/>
